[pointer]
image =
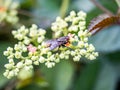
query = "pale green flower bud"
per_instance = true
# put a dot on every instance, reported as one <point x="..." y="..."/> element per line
<point x="17" y="47"/>
<point x="92" y="57"/>
<point x="85" y="39"/>
<point x="75" y="20"/>
<point x="34" y="58"/>
<point x="8" y="66"/>
<point x="73" y="53"/>
<point x="10" y="49"/>
<point x="73" y="28"/>
<point x="50" y="64"/>
<point x="18" y="54"/>
<point x="81" y="44"/>
<point x="36" y="62"/>
<point x="10" y="56"/>
<point x="95" y="54"/>
<point x="14" y="32"/>
<point x="40" y="39"/>
<point x="68" y="52"/>
<point x="6" y="53"/>
<point x="76" y="58"/>
<point x="41" y="31"/>
<point x="72" y="14"/>
<point x="19" y="36"/>
<point x="24" y="49"/>
<point x="20" y="65"/>
<point x="6" y="73"/>
<point x="11" y="61"/>
<point x="83" y="51"/>
<point x="82" y="23"/>
<point x="57" y="60"/>
<point x="26" y="41"/>
<point x="66" y="56"/>
<point x="28" y="62"/>
<point x="16" y="71"/>
<point x="54" y="28"/>
<point x="81" y="14"/>
<point x="91" y="48"/>
<point x="41" y="59"/>
<point x="11" y="74"/>
<point x="61" y="55"/>
<point x="57" y="34"/>
<point x="28" y="68"/>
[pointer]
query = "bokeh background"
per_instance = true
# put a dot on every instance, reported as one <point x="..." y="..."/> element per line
<point x="100" y="74"/>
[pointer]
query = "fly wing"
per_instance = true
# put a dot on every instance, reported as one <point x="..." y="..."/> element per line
<point x="63" y="39"/>
<point x="53" y="44"/>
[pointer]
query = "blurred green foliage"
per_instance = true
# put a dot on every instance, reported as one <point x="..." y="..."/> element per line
<point x="101" y="74"/>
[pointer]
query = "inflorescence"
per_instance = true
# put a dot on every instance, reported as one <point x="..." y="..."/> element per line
<point x="8" y="11"/>
<point x="32" y="48"/>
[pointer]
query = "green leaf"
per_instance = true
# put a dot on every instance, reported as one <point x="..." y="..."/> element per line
<point x="88" y="77"/>
<point x="107" y="40"/>
<point x="60" y="76"/>
<point x="107" y="78"/>
<point x="3" y="60"/>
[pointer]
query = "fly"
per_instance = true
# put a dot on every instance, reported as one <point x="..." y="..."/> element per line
<point x="62" y="41"/>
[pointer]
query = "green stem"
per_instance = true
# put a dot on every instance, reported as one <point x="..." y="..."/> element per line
<point x="64" y="7"/>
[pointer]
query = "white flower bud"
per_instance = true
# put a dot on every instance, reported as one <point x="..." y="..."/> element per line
<point x="54" y="28"/>
<point x="10" y="49"/>
<point x="19" y="36"/>
<point x="34" y="58"/>
<point x="67" y="52"/>
<point x="95" y="54"/>
<point x="66" y="56"/>
<point x="57" y="60"/>
<point x="50" y="64"/>
<point x="92" y="57"/>
<point x="76" y="58"/>
<point x="91" y="48"/>
<point x="6" y="53"/>
<point x="26" y="41"/>
<point x="73" y="53"/>
<point x="11" y="61"/>
<point x="8" y="66"/>
<point x="17" y="47"/>
<point x="40" y="39"/>
<point x="42" y="32"/>
<point x="20" y="65"/>
<point x="83" y="51"/>
<point x="28" y="62"/>
<point x="36" y="62"/>
<point x="81" y="14"/>
<point x="24" y="49"/>
<point x="72" y="14"/>
<point x="18" y="54"/>
<point x="73" y="28"/>
<point x="11" y="56"/>
<point x="80" y="44"/>
<point x="41" y="59"/>
<point x="61" y="55"/>
<point x="11" y="74"/>
<point x="14" y="32"/>
<point x="6" y="73"/>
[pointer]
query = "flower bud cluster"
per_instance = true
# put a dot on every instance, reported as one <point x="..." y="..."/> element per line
<point x="32" y="49"/>
<point x="75" y="24"/>
<point x="8" y="11"/>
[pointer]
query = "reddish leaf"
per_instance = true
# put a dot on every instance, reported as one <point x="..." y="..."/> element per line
<point x="101" y="22"/>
